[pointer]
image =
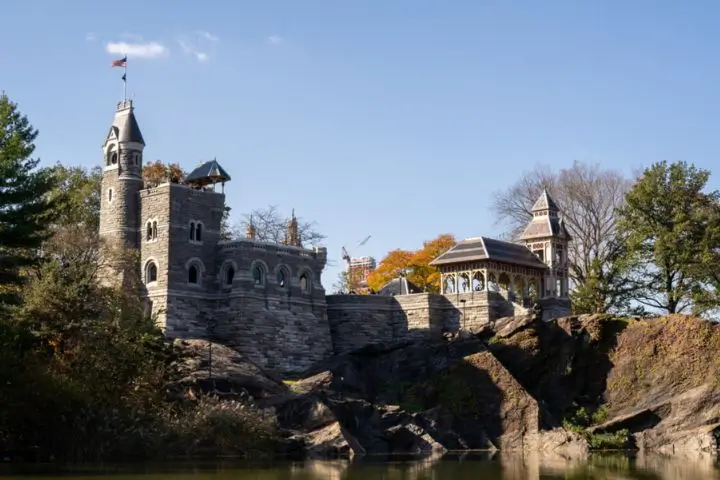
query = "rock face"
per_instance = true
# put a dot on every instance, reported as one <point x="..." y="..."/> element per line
<point x="206" y="366"/>
<point x="664" y="385"/>
<point x="512" y="386"/>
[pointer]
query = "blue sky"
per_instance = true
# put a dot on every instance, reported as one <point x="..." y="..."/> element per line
<point x="392" y="118"/>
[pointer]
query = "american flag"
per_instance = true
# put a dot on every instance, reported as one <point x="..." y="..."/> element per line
<point x="120" y="63"/>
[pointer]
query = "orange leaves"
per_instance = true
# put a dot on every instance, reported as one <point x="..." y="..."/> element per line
<point x="157" y="172"/>
<point x="414" y="264"/>
<point x="395" y="263"/>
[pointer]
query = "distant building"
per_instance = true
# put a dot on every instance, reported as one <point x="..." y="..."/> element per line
<point x="358" y="271"/>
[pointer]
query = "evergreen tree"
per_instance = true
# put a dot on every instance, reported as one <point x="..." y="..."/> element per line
<point x="25" y="208"/>
<point x="667" y="218"/>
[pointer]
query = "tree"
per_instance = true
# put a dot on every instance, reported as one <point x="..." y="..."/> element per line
<point x="77" y="196"/>
<point x="671" y="224"/>
<point x="415" y="265"/>
<point x="157" y="172"/>
<point x="25" y="205"/>
<point x="396" y="263"/>
<point x="270" y="226"/>
<point x="588" y="197"/>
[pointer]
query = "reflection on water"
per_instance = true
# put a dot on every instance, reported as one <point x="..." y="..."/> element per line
<point x="488" y="466"/>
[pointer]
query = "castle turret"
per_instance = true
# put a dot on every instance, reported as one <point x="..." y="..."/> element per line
<point x="292" y="234"/>
<point x="250" y="232"/>
<point x="122" y="178"/>
<point x="548" y="238"/>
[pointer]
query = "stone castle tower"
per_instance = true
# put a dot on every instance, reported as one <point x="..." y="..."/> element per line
<point x="122" y="178"/>
<point x="264" y="299"/>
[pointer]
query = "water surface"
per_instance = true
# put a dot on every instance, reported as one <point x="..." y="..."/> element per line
<point x="451" y="467"/>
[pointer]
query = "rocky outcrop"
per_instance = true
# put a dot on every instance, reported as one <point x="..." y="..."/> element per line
<point x="512" y="386"/>
<point x="210" y="367"/>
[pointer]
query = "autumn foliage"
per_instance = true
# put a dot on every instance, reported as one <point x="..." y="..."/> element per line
<point x="157" y="172"/>
<point x="413" y="264"/>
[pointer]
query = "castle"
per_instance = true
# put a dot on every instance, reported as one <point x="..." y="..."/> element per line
<point x="267" y="301"/>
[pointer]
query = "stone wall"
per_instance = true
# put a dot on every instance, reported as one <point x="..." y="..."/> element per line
<point x="359" y="320"/>
<point x="281" y="335"/>
<point x="554" y="307"/>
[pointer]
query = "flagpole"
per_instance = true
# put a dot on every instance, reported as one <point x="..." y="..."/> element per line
<point x="125" y="80"/>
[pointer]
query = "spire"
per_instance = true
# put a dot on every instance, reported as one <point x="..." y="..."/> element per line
<point x="292" y="234"/>
<point x="545" y="203"/>
<point x="250" y="232"/>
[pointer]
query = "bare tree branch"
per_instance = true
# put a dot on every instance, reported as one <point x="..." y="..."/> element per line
<point x="588" y="197"/>
<point x="270" y="226"/>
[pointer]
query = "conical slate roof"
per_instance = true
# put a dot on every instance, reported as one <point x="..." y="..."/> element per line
<point x="208" y="172"/>
<point x="125" y="127"/>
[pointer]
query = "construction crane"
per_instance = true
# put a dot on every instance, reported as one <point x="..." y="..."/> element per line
<point x="346" y="255"/>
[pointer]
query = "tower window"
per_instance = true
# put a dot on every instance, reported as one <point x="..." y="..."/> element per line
<point x="110" y="195"/>
<point x="151" y="230"/>
<point x="281" y="278"/>
<point x="193" y="274"/>
<point x="196" y="231"/>
<point x="113" y="158"/>
<point x="258" y="275"/>
<point x="304" y="283"/>
<point x="150" y="273"/>
<point x="229" y="276"/>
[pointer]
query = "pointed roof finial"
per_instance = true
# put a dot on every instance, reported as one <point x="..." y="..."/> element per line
<point x="545" y="203"/>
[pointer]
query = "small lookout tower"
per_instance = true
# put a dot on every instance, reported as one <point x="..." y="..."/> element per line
<point x="547" y="237"/>
<point x="209" y="173"/>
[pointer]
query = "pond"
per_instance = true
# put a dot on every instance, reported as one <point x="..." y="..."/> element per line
<point x="449" y="466"/>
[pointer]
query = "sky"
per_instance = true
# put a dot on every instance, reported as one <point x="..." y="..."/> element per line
<point x="399" y="119"/>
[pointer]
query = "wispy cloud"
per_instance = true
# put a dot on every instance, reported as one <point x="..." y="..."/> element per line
<point x="190" y="49"/>
<point x="90" y="37"/>
<point x="137" y="50"/>
<point x="275" y="39"/>
<point x="208" y="36"/>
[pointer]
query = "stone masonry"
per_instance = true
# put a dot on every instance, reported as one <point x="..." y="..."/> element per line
<point x="266" y="300"/>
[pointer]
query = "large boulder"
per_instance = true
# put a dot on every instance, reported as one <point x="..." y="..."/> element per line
<point x="213" y="368"/>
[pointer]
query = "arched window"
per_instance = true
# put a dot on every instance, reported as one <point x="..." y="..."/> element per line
<point x="281" y="278"/>
<point x="148" y="235"/>
<point x="304" y="283"/>
<point x="193" y="274"/>
<point x="196" y="231"/>
<point x="229" y="276"/>
<point x="154" y="230"/>
<point x="259" y="275"/>
<point x="113" y="158"/>
<point x="150" y="272"/>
